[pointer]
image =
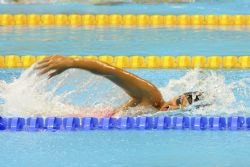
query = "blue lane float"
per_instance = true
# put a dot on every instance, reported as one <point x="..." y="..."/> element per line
<point x="181" y="122"/>
<point x="3" y="123"/>
<point x="217" y="123"/>
<point x="236" y="122"/>
<point x="16" y="123"/>
<point x="89" y="123"/>
<point x="199" y="123"/>
<point x="71" y="123"/>
<point x="125" y="123"/>
<point x="53" y="123"/>
<point x="162" y="122"/>
<point x="144" y="123"/>
<point x="34" y="124"/>
<point x="248" y="123"/>
<point x="107" y="123"/>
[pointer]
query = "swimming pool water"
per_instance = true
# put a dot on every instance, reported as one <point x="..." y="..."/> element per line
<point x="126" y="148"/>
<point x="124" y="41"/>
<point x="199" y="7"/>
<point x="131" y="148"/>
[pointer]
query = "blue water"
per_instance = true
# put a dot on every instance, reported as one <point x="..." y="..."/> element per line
<point x="129" y="148"/>
<point x="199" y="7"/>
<point x="124" y="41"/>
<point x="125" y="148"/>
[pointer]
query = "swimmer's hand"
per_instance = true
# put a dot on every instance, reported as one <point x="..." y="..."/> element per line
<point x="56" y="63"/>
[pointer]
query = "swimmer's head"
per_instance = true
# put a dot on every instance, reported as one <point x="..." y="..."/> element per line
<point x="165" y="107"/>
<point x="194" y="96"/>
<point x="175" y="103"/>
<point x="182" y="101"/>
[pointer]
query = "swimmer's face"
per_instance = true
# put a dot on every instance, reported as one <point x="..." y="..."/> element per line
<point x="165" y="106"/>
<point x="183" y="101"/>
<point x="180" y="101"/>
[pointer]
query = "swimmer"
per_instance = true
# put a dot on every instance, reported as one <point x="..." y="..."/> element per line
<point x="142" y="92"/>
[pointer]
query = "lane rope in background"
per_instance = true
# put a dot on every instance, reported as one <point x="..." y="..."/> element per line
<point x="122" y="20"/>
<point x="125" y="123"/>
<point x="168" y="62"/>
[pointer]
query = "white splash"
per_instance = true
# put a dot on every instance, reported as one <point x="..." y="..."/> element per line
<point x="219" y="97"/>
<point x="33" y="95"/>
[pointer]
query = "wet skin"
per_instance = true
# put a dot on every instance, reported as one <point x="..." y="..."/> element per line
<point x="142" y="92"/>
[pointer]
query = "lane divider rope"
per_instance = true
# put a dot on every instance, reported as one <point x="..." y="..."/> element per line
<point x="175" y="62"/>
<point x="122" y="20"/>
<point x="125" y="123"/>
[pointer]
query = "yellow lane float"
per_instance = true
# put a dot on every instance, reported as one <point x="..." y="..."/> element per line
<point x="177" y="62"/>
<point x="122" y="20"/>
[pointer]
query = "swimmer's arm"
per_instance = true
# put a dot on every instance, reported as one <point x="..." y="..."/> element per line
<point x="130" y="103"/>
<point x="136" y="87"/>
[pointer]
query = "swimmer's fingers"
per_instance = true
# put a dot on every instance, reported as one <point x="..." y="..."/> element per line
<point x="41" y="66"/>
<point x="46" y="59"/>
<point x="45" y="70"/>
<point x="54" y="73"/>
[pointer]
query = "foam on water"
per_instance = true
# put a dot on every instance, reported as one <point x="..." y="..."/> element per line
<point x="80" y="93"/>
<point x="34" y="95"/>
<point x="219" y="97"/>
